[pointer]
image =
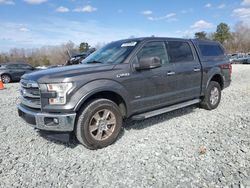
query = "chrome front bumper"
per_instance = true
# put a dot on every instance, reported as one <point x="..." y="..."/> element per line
<point x="48" y="121"/>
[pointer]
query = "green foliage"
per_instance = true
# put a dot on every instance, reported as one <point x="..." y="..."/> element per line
<point x="84" y="47"/>
<point x="201" y="35"/>
<point x="222" y="33"/>
<point x="4" y="58"/>
<point x="45" y="61"/>
<point x="33" y="61"/>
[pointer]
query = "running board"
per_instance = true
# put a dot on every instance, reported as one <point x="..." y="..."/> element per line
<point x="164" y="110"/>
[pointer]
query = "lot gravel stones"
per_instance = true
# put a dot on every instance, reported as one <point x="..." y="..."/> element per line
<point x="190" y="147"/>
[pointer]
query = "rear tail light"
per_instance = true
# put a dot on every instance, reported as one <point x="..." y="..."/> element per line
<point x="227" y="66"/>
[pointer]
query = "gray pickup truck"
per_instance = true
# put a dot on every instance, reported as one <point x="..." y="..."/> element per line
<point x="134" y="78"/>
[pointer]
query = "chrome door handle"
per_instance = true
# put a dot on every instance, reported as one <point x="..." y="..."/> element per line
<point x="170" y="73"/>
<point x="197" y="70"/>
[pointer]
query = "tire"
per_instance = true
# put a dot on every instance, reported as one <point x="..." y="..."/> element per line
<point x="212" y="96"/>
<point x="95" y="131"/>
<point x="6" y="78"/>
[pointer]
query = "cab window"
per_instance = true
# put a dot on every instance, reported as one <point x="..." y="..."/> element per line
<point x="154" y="49"/>
<point x="180" y="51"/>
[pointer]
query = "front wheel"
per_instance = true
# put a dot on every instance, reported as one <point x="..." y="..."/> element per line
<point x="6" y="78"/>
<point x="99" y="124"/>
<point x="212" y="96"/>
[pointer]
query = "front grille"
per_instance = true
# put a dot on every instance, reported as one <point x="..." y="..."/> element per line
<point x="30" y="94"/>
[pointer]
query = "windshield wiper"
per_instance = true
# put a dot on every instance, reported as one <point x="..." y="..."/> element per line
<point x="90" y="62"/>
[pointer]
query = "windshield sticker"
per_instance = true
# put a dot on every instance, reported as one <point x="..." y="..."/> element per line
<point x="129" y="44"/>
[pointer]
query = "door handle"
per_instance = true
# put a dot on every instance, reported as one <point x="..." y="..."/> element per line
<point x="170" y="73"/>
<point x="197" y="70"/>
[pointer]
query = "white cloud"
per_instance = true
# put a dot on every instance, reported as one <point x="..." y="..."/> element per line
<point x="201" y="25"/>
<point x="243" y="13"/>
<point x="168" y="17"/>
<point x="62" y="9"/>
<point x="7" y="2"/>
<point x="246" y="2"/>
<point x="147" y="12"/>
<point x="35" y="2"/>
<point x="87" y="8"/>
<point x="55" y="31"/>
<point x="24" y="29"/>
<point x="221" y="6"/>
<point x="208" y="5"/>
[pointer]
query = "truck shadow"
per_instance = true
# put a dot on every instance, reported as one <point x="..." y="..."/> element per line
<point x="69" y="140"/>
<point x="66" y="139"/>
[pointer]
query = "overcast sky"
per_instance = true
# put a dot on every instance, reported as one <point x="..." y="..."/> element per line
<point x="34" y="23"/>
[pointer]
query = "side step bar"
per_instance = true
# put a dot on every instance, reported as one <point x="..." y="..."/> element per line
<point x="164" y="110"/>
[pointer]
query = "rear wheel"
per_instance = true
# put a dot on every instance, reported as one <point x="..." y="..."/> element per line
<point x="98" y="124"/>
<point x="212" y="96"/>
<point x="6" y="78"/>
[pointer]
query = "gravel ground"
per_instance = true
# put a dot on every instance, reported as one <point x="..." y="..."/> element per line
<point x="190" y="147"/>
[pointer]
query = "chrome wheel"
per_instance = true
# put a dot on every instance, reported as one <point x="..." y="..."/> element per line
<point x="214" y="96"/>
<point x="102" y="125"/>
<point x="5" y="79"/>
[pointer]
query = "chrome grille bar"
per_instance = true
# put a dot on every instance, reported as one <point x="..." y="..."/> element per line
<point x="30" y="94"/>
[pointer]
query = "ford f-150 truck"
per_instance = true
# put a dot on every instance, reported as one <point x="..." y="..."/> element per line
<point x="134" y="78"/>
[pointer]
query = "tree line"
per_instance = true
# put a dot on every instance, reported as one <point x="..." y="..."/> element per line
<point x="46" y="55"/>
<point x="233" y="41"/>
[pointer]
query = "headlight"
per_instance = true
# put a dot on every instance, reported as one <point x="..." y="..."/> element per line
<point x="61" y="90"/>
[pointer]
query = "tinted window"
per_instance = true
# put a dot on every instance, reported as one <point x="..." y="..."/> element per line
<point x="211" y="50"/>
<point x="154" y="49"/>
<point x="13" y="66"/>
<point x="179" y="51"/>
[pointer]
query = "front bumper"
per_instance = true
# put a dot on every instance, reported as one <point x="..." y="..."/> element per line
<point x="48" y="121"/>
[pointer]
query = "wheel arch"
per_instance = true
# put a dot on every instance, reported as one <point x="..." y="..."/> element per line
<point x="107" y="90"/>
<point x="217" y="77"/>
<point x="7" y="75"/>
<point x="106" y="94"/>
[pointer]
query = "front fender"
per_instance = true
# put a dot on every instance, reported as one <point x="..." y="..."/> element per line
<point x="97" y="86"/>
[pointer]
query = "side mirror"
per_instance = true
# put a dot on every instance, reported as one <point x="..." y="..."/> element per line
<point x="148" y="63"/>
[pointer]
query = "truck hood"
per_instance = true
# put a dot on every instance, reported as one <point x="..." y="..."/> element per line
<point x="67" y="73"/>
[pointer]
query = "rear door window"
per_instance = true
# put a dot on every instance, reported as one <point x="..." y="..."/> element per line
<point x="12" y="66"/>
<point x="179" y="51"/>
<point x="211" y="50"/>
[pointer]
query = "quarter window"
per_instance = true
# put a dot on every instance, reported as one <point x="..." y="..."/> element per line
<point x="211" y="50"/>
<point x="154" y="49"/>
<point x="179" y="52"/>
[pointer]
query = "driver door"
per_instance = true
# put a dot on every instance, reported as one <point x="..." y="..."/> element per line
<point x="152" y="88"/>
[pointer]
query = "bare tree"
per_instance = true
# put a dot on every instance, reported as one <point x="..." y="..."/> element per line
<point x="240" y="40"/>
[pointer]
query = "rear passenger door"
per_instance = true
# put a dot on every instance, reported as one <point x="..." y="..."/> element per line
<point x="187" y="69"/>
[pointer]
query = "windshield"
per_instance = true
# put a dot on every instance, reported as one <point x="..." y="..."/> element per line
<point x="113" y="53"/>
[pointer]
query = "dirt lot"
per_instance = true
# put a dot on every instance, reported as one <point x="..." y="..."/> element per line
<point x="190" y="147"/>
